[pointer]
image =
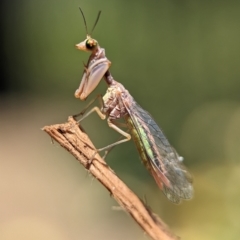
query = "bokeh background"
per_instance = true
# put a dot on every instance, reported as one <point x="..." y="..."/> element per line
<point x="180" y="61"/>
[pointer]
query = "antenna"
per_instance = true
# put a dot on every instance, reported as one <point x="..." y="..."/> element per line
<point x="98" y="16"/>
<point x="85" y="23"/>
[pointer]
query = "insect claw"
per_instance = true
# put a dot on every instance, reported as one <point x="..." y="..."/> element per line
<point x="89" y="161"/>
<point x="105" y="154"/>
<point x="77" y="116"/>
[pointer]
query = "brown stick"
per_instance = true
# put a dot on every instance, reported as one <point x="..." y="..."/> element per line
<point x="70" y="136"/>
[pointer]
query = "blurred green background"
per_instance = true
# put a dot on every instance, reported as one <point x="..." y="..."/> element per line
<point x="180" y="61"/>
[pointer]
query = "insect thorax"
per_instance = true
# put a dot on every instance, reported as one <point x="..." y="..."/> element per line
<point x="115" y="101"/>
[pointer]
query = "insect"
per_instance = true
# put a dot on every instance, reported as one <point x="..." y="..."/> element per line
<point x="158" y="156"/>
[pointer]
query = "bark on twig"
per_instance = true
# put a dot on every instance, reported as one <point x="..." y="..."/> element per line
<point x="70" y="136"/>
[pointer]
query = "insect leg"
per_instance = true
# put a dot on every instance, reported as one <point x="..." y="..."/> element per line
<point x="83" y="113"/>
<point x="113" y="125"/>
<point x="120" y="138"/>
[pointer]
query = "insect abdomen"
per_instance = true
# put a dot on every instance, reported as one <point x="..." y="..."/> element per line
<point x="138" y="143"/>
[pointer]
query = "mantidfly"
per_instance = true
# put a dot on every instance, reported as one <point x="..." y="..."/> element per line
<point x="158" y="156"/>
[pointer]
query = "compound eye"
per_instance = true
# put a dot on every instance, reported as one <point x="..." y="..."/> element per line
<point x="91" y="44"/>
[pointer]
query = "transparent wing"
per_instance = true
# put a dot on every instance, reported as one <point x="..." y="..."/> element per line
<point x="164" y="162"/>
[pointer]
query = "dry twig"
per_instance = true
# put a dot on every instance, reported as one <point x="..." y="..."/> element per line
<point x="71" y="137"/>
